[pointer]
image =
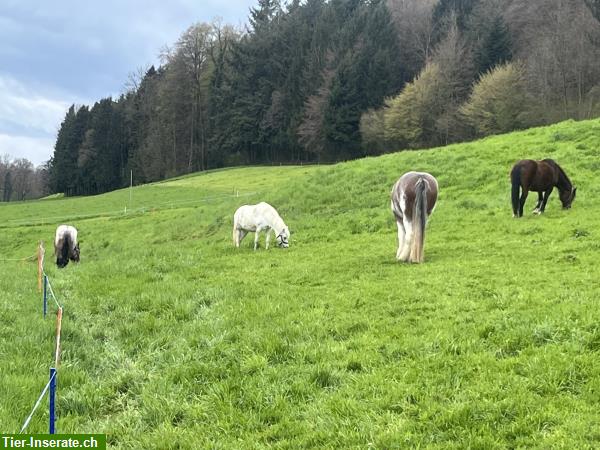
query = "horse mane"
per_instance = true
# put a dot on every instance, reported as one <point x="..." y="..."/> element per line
<point x="563" y="180"/>
<point x="63" y="250"/>
<point x="278" y="224"/>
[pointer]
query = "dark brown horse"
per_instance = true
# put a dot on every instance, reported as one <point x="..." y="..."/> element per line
<point x="413" y="199"/>
<point x="541" y="177"/>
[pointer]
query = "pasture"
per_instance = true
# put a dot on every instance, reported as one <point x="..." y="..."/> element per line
<point x="172" y="338"/>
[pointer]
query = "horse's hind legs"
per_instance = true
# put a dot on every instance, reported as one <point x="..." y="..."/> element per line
<point x="406" y="243"/>
<point x="256" y="236"/>
<point x="400" y="238"/>
<point x="546" y="196"/>
<point x="537" y="209"/>
<point x="522" y="202"/>
<point x="238" y="236"/>
<point x="516" y="206"/>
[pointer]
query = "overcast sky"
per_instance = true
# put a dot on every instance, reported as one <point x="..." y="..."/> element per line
<point x="55" y="53"/>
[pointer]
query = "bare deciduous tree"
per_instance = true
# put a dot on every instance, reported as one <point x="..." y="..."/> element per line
<point x="415" y="30"/>
<point x="310" y="131"/>
<point x="562" y="67"/>
<point x="135" y="78"/>
<point x="19" y="180"/>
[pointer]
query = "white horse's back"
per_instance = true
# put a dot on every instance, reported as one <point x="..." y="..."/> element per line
<point x="249" y="217"/>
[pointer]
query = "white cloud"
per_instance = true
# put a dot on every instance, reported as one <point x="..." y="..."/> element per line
<point x="36" y="150"/>
<point x="58" y="53"/>
<point x="22" y="106"/>
<point x="30" y="116"/>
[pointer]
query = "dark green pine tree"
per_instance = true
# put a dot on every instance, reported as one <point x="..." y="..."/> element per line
<point x="99" y="158"/>
<point x="245" y="102"/>
<point x="307" y="52"/>
<point x="220" y="53"/>
<point x="76" y="138"/>
<point x="383" y="72"/>
<point x="249" y="88"/>
<point x="342" y="115"/>
<point x="64" y="172"/>
<point x="62" y="162"/>
<point x="369" y="72"/>
<point x="218" y="108"/>
<point x="495" y="47"/>
<point x="263" y="15"/>
<point x="140" y="117"/>
<point x="342" y="112"/>
<point x="292" y="41"/>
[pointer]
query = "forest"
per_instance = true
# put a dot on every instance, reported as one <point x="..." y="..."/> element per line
<point x="318" y="81"/>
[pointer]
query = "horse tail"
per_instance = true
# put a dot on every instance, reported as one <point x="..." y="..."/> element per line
<point x="62" y="257"/>
<point x="419" y="219"/>
<point x="396" y="208"/>
<point x="515" y="179"/>
<point x="68" y="246"/>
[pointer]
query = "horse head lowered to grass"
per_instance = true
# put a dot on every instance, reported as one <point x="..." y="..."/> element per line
<point x="541" y="177"/>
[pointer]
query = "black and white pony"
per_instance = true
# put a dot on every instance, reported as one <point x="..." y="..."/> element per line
<point x="413" y="200"/>
<point x="66" y="246"/>
<point x="257" y="218"/>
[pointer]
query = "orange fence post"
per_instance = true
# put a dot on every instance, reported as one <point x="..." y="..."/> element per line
<point x="58" y="329"/>
<point x="41" y="253"/>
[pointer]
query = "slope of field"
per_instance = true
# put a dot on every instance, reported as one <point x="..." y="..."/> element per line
<point x="174" y="339"/>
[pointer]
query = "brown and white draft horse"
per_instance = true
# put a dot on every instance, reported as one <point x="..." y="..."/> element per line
<point x="541" y="177"/>
<point x="413" y="200"/>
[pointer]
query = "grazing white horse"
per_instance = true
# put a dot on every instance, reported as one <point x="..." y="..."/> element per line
<point x="66" y="246"/>
<point x="413" y="200"/>
<point x="258" y="218"/>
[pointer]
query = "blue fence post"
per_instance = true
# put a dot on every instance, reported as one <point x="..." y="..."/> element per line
<point x="45" y="295"/>
<point x="52" y="398"/>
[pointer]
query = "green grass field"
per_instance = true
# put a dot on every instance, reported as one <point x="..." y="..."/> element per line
<point x="172" y="338"/>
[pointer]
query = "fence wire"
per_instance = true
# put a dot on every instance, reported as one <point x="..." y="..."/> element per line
<point x="19" y="259"/>
<point x="37" y="404"/>
<point x="56" y="357"/>
<point x="58" y="305"/>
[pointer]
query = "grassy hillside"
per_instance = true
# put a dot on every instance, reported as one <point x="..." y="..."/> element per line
<point x="174" y="339"/>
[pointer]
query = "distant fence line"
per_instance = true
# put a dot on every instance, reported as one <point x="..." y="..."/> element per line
<point x="120" y="212"/>
<point x="27" y="258"/>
